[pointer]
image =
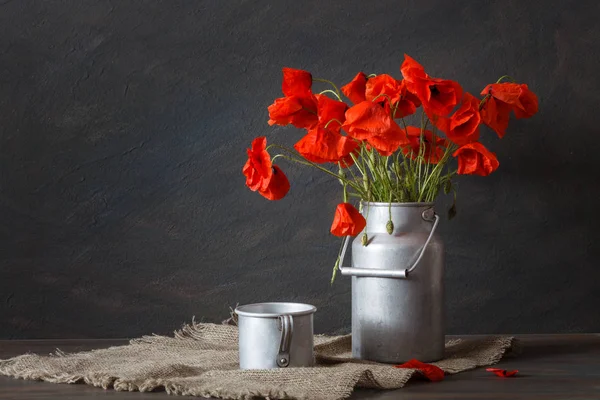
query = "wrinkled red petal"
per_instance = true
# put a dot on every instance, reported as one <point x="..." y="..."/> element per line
<point x="322" y="145"/>
<point x="366" y="119"/>
<point x="411" y="70"/>
<point x="475" y="159"/>
<point x="331" y="112"/>
<point x="371" y="122"/>
<point x="258" y="167"/>
<point x="296" y="82"/>
<point x="505" y="92"/>
<point x="296" y="110"/>
<point x="277" y="186"/>
<point x="516" y="96"/>
<point x="347" y="221"/>
<point x="495" y="114"/>
<point x="430" y="371"/>
<point x="383" y="88"/>
<point x="408" y="103"/>
<point x="463" y="126"/>
<point x="355" y="90"/>
<point x="529" y="103"/>
<point x="502" y="372"/>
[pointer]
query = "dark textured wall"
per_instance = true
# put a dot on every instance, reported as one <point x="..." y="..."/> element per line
<point x="123" y="128"/>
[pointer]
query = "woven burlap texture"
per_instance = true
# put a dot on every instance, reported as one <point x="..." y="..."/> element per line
<point x="202" y="360"/>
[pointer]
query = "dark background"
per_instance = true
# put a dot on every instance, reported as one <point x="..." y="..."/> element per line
<point x="123" y="129"/>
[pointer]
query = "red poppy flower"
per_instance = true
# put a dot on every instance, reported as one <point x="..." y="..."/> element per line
<point x="298" y="111"/>
<point x="261" y="175"/>
<point x="332" y="112"/>
<point x="385" y="89"/>
<point x="434" y="145"/>
<point x="505" y="97"/>
<point x="299" y="106"/>
<point x="296" y="82"/>
<point x="463" y="126"/>
<point x="475" y="159"/>
<point x="258" y="167"/>
<point x="278" y="185"/>
<point x="347" y="221"/>
<point x="322" y="145"/>
<point x="369" y="121"/>
<point x="355" y="90"/>
<point x="438" y="96"/>
<point x="430" y="371"/>
<point x="522" y="100"/>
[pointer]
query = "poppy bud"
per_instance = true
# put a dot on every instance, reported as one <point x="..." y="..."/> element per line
<point x="389" y="227"/>
<point x="364" y="239"/>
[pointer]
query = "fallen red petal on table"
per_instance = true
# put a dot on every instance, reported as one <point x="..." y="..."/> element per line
<point x="502" y="372"/>
<point x="431" y="372"/>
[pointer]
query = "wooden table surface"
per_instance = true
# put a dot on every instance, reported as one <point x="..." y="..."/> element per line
<point x="551" y="367"/>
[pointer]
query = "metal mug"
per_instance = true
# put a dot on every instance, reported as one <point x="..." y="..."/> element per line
<point x="275" y="335"/>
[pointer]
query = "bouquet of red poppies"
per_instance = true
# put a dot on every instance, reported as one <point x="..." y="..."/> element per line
<point x="401" y="140"/>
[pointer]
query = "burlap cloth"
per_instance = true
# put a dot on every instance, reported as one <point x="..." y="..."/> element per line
<point x="202" y="360"/>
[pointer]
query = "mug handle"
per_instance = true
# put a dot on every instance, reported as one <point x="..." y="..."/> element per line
<point x="287" y="330"/>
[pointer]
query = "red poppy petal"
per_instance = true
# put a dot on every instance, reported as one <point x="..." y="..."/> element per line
<point x="502" y="372"/>
<point x="258" y="167"/>
<point x="296" y="82"/>
<point x="331" y="112"/>
<point x="430" y="371"/>
<point x="347" y="221"/>
<point x="322" y="145"/>
<point x="278" y="185"/>
<point x="355" y="90"/>
<point x="296" y="110"/>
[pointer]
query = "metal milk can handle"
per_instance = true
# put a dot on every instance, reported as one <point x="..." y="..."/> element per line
<point x="389" y="273"/>
<point x="287" y="330"/>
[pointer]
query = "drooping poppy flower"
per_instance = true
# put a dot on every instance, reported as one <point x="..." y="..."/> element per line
<point x="430" y="371"/>
<point x="438" y="96"/>
<point x="463" y="126"/>
<point x="523" y="101"/>
<point x="475" y="159"/>
<point x="355" y="90"/>
<point x="434" y="146"/>
<point x="278" y="185"/>
<point x="347" y="221"/>
<point x="502" y="372"/>
<point x="370" y="122"/>
<point x="298" y="111"/>
<point x="322" y="145"/>
<point x="331" y="113"/>
<point x="501" y="99"/>
<point x="296" y="82"/>
<point x="261" y="175"/>
<point x="258" y="167"/>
